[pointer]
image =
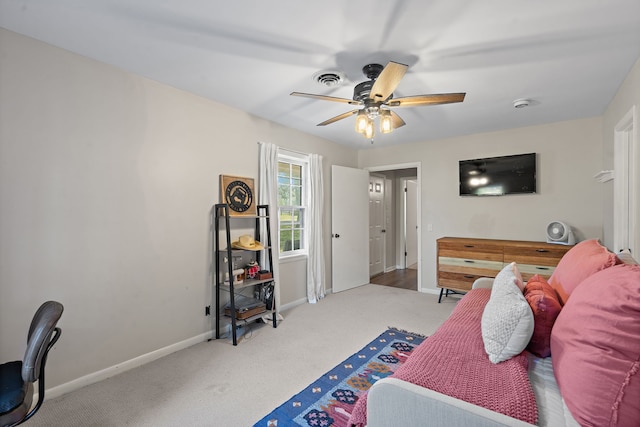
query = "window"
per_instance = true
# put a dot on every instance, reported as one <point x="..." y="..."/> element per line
<point x="292" y="194"/>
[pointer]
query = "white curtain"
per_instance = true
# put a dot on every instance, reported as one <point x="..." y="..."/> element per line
<point x="268" y="195"/>
<point x="315" y="263"/>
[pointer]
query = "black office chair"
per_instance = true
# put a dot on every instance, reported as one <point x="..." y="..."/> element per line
<point x="17" y="378"/>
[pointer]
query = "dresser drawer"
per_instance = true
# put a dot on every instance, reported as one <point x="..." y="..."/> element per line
<point x="529" y="270"/>
<point x="456" y="281"/>
<point x="469" y="249"/>
<point x="477" y="267"/>
<point x="540" y="254"/>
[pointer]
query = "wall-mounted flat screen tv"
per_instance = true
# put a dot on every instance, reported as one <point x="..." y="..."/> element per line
<point x="497" y="176"/>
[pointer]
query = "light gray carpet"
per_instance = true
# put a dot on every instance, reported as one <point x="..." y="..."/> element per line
<point x="216" y="384"/>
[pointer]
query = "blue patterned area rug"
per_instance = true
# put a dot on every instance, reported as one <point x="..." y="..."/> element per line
<point x="328" y="401"/>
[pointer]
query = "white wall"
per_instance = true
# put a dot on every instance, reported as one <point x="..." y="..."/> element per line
<point x="293" y="280"/>
<point x="628" y="95"/>
<point x="107" y="180"/>
<point x="569" y="154"/>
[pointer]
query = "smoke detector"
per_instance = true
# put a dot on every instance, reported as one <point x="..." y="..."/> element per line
<point x="521" y="103"/>
<point x="329" y="78"/>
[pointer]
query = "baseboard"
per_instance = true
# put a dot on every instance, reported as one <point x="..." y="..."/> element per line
<point x="390" y="269"/>
<point x="292" y="304"/>
<point x="123" y="367"/>
<point x="430" y="291"/>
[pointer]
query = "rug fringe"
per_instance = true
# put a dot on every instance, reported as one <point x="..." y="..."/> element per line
<point x="404" y="331"/>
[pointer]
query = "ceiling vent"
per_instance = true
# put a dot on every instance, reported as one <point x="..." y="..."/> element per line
<point x="521" y="103"/>
<point x="329" y="78"/>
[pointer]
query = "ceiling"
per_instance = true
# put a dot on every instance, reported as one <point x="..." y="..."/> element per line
<point x="568" y="57"/>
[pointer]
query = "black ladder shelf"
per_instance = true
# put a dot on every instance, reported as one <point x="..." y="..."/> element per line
<point x="222" y="214"/>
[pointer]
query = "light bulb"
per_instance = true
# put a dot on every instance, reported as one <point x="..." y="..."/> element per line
<point x="368" y="132"/>
<point x="385" y="121"/>
<point x="361" y="121"/>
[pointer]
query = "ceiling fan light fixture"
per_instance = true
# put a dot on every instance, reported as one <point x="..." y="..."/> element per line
<point x="368" y="132"/>
<point x="375" y="98"/>
<point x="372" y="111"/>
<point x="361" y="121"/>
<point x="386" y="124"/>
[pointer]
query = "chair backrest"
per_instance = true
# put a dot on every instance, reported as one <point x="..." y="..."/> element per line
<point x="42" y="327"/>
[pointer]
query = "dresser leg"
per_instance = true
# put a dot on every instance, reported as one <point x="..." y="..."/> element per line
<point x="440" y="297"/>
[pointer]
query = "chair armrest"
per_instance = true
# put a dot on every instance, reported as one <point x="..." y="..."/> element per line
<point x="393" y="402"/>
<point x="483" y="282"/>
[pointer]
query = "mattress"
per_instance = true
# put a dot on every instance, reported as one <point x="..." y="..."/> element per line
<point x="552" y="411"/>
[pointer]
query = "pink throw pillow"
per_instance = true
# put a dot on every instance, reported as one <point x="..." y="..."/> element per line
<point x="545" y="305"/>
<point x="595" y="344"/>
<point x="577" y="264"/>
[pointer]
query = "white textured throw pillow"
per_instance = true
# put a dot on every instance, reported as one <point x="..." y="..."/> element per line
<point x="507" y="320"/>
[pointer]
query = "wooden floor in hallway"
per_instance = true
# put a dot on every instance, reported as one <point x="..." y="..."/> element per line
<point x="405" y="279"/>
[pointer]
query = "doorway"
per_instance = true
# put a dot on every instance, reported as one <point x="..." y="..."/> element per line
<point x="626" y="183"/>
<point x="377" y="230"/>
<point x="410" y="223"/>
<point x="401" y="211"/>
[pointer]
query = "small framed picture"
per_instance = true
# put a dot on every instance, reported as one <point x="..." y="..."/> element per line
<point x="238" y="192"/>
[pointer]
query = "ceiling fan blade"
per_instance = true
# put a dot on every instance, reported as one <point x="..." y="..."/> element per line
<point x="326" y="98"/>
<point x="387" y="81"/>
<point x="434" y="99"/>
<point x="396" y="121"/>
<point x="336" y="118"/>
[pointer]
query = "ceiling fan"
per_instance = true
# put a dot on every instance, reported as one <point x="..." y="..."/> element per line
<point x="376" y="98"/>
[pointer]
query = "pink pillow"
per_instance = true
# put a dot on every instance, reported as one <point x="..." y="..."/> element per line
<point x="545" y="305"/>
<point x="580" y="262"/>
<point x="595" y="344"/>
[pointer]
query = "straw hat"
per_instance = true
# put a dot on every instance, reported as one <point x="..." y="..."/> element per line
<point x="247" y="242"/>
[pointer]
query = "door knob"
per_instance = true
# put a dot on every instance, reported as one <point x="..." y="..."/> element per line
<point x="383" y="231"/>
<point x="335" y="235"/>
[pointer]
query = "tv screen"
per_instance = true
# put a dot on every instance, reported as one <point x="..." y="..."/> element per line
<point x="497" y="176"/>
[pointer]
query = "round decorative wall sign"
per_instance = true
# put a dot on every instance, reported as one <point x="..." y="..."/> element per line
<point x="238" y="193"/>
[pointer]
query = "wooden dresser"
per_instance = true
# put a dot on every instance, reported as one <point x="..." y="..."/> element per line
<point x="461" y="261"/>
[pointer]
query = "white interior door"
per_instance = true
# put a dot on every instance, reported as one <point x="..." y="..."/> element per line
<point x="376" y="225"/>
<point x="350" y="227"/>
<point x="411" y="215"/>
<point x="389" y="226"/>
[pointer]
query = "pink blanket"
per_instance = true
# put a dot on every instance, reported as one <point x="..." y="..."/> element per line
<point x="453" y="362"/>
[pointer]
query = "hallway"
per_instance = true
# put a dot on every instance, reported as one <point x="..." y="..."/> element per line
<point x="404" y="279"/>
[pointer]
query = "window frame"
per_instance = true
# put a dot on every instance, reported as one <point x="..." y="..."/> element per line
<point x="301" y="160"/>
